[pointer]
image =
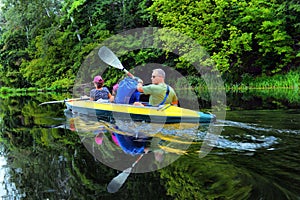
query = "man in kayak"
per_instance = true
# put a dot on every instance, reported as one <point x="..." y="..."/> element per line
<point x="160" y="93"/>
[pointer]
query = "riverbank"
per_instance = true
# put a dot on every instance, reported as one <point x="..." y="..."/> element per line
<point x="290" y="80"/>
<point x="19" y="91"/>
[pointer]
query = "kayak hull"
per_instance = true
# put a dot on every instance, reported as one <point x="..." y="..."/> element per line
<point x="163" y="114"/>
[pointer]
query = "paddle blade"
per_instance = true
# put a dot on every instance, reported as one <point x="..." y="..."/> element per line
<point x="51" y="102"/>
<point x="109" y="57"/>
<point x="117" y="182"/>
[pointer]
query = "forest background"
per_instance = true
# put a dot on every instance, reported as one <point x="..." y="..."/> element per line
<point x="254" y="43"/>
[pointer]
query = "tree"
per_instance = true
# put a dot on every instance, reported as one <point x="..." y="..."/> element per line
<point x="241" y="36"/>
<point x="57" y="35"/>
<point x="24" y="20"/>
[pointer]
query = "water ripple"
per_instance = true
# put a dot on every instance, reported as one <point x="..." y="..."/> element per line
<point x="256" y="127"/>
<point x="245" y="141"/>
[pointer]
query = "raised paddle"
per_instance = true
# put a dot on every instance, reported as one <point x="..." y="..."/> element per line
<point x="117" y="182"/>
<point x="111" y="59"/>
<point x="66" y="100"/>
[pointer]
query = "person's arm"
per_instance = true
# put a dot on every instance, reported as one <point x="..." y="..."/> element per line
<point x="92" y="95"/>
<point x="140" y="87"/>
<point x="174" y="100"/>
<point x="111" y="97"/>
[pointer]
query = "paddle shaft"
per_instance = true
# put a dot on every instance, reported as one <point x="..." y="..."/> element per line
<point x="137" y="160"/>
<point x="63" y="101"/>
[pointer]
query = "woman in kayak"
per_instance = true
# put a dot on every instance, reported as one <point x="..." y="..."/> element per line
<point x="100" y="93"/>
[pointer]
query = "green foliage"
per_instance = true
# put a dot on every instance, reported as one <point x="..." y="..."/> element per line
<point x="5" y="90"/>
<point x="11" y="55"/>
<point x="241" y="36"/>
<point x="43" y="43"/>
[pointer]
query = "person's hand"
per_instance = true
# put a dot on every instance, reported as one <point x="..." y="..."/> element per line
<point x="84" y="97"/>
<point x="138" y="80"/>
<point x="146" y="149"/>
<point x="138" y="104"/>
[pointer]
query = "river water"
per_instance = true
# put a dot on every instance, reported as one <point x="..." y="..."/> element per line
<point x="46" y="154"/>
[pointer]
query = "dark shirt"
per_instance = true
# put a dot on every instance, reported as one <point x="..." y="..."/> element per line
<point x="135" y="97"/>
<point x="130" y="145"/>
<point x="99" y="94"/>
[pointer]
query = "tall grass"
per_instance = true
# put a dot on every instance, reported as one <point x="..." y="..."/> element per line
<point x="291" y="96"/>
<point x="291" y="80"/>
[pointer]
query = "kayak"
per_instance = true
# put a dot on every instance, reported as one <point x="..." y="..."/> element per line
<point x="156" y="114"/>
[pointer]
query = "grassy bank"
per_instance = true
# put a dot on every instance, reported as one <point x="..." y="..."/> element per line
<point x="291" y="80"/>
<point x="7" y="90"/>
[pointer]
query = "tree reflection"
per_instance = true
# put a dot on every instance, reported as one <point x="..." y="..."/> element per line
<point x="47" y="160"/>
<point x="206" y="178"/>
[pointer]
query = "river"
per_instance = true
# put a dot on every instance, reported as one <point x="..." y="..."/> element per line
<point x="45" y="154"/>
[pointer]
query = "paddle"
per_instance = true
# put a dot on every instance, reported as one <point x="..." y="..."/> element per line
<point x="66" y="100"/>
<point x="117" y="182"/>
<point x="111" y="59"/>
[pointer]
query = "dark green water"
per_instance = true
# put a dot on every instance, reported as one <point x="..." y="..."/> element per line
<point x="256" y="156"/>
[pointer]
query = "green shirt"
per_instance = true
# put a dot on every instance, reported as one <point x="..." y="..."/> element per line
<point x="158" y="92"/>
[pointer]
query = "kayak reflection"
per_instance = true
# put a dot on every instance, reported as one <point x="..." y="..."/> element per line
<point x="119" y="144"/>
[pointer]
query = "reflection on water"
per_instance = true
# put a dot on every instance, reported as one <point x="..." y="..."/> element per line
<point x="8" y="189"/>
<point x="2" y="175"/>
<point x="249" y="141"/>
<point x="48" y="155"/>
<point x="117" y="144"/>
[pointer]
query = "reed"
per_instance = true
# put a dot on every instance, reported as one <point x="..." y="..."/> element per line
<point x="285" y="95"/>
<point x="290" y="80"/>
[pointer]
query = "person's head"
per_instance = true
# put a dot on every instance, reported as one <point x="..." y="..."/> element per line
<point x="98" y="137"/>
<point x="98" y="82"/>
<point x="115" y="89"/>
<point x="158" y="76"/>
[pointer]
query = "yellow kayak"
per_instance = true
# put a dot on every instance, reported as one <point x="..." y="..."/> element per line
<point x="161" y="114"/>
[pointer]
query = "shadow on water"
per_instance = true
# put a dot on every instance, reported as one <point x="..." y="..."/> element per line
<point x="45" y="154"/>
